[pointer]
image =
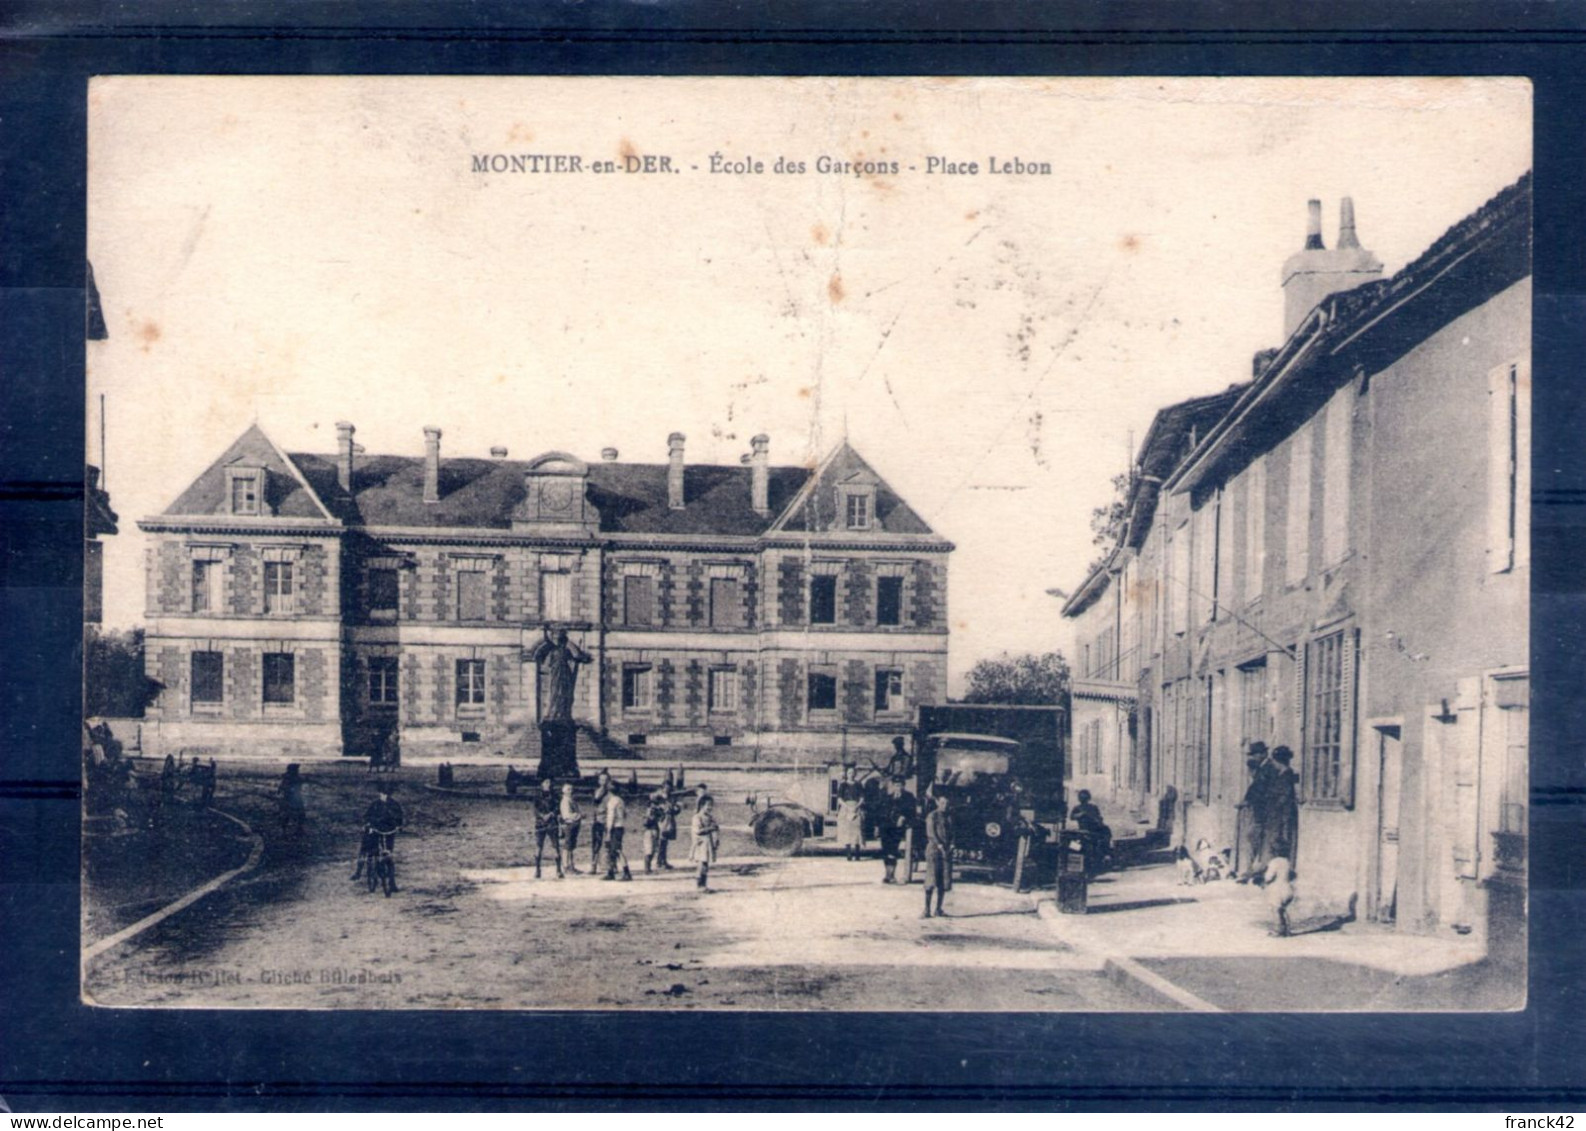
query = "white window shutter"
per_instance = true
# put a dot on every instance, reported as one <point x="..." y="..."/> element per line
<point x="1522" y="456"/>
<point x="1346" y="720"/>
<point x="1500" y="469"/>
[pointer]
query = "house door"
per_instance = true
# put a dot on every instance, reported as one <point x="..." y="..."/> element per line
<point x="1385" y="896"/>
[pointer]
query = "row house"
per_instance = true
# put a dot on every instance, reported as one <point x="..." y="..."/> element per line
<point x="1335" y="557"/>
<point x="301" y="603"/>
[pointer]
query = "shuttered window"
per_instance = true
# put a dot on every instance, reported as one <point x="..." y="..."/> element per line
<point x="1297" y="529"/>
<point x="726" y="604"/>
<point x="638" y="600"/>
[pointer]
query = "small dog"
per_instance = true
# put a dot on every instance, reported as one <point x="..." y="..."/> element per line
<point x="1189" y="872"/>
<point x="1210" y="864"/>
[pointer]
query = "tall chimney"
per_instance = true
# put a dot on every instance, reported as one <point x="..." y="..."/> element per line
<point x="1346" y="225"/>
<point x="674" y="472"/>
<point x="1313" y="226"/>
<point x="432" y="465"/>
<point x="1313" y="273"/>
<point x="344" y="453"/>
<point x="760" y="474"/>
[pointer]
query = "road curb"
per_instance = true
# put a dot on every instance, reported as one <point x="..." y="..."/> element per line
<point x="255" y="854"/>
<point x="1122" y="969"/>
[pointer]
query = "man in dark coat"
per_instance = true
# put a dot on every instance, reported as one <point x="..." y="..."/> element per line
<point x="1253" y="814"/>
<point x="1281" y="819"/>
<point x="895" y="816"/>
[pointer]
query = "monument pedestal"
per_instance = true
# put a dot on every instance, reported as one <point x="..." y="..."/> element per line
<point x="558" y="750"/>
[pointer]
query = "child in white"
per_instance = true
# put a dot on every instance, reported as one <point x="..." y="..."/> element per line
<point x="1279" y="884"/>
<point x="707" y="834"/>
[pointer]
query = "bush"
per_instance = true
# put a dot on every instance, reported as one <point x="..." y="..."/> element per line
<point x="114" y="684"/>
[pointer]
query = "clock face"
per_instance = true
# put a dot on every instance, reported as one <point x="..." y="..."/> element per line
<point x="559" y="497"/>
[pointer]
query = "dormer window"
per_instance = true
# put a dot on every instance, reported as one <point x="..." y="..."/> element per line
<point x="245" y="490"/>
<point x="856" y="501"/>
<point x="857" y="511"/>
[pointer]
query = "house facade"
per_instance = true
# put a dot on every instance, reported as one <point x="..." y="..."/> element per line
<point x="302" y="603"/>
<point x="1339" y="563"/>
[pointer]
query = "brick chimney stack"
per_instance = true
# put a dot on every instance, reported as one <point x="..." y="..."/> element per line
<point x="1314" y="272"/>
<point x="674" y="471"/>
<point x="344" y="454"/>
<point x="760" y="474"/>
<point x="432" y="465"/>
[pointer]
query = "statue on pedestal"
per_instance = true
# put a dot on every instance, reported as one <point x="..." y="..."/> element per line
<point x="558" y="658"/>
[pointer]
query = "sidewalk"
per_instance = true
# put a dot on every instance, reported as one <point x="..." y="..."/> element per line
<point x="1207" y="947"/>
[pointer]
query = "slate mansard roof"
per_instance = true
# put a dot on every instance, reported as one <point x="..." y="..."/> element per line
<point x="631" y="498"/>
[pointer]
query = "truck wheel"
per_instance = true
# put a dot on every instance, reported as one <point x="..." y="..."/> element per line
<point x="778" y="834"/>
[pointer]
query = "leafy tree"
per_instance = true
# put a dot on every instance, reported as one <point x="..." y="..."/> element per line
<point x="1106" y="522"/>
<point x="1026" y="681"/>
<point x="113" y="681"/>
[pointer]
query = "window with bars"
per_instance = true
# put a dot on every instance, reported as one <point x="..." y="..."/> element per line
<point x="1328" y="678"/>
<point x="383" y="675"/>
<point x="279" y="594"/>
<point x="209" y="670"/>
<point x="723" y="689"/>
<point x="638" y="600"/>
<point x="636" y="687"/>
<point x="470" y="683"/>
<point x="1253" y="703"/>
<point x="280" y="678"/>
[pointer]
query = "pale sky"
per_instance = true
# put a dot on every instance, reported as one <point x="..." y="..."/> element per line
<point x="298" y="251"/>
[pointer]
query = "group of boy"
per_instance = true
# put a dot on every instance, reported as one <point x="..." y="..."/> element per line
<point x="558" y="820"/>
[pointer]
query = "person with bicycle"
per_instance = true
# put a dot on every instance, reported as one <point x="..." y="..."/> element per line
<point x="381" y="822"/>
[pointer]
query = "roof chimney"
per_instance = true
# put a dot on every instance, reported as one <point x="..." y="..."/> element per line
<point x="432" y="465"/>
<point x="1346" y="225"/>
<point x="674" y="472"/>
<point x="1310" y="275"/>
<point x="760" y="474"/>
<point x="1313" y="226"/>
<point x="609" y="454"/>
<point x="344" y="454"/>
<point x="498" y="452"/>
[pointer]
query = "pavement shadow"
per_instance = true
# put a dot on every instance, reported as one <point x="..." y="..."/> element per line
<point x="1139" y="904"/>
<point x="990" y="914"/>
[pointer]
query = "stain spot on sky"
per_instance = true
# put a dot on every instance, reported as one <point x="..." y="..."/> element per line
<point x="834" y="289"/>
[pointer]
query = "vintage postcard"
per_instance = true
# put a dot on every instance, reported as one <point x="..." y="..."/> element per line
<point x="807" y="544"/>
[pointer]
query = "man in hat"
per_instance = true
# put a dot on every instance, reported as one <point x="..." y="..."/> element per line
<point x="547" y="826"/>
<point x="1252" y="813"/>
<point x="1281" y="819"/>
<point x="892" y="825"/>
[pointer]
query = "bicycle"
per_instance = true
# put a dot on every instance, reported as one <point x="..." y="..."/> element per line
<point x="382" y="861"/>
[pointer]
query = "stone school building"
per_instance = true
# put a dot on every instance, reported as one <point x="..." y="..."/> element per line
<point x="304" y="604"/>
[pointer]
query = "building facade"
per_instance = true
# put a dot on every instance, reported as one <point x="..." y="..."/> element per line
<point x="302" y="603"/>
<point x="1338" y="562"/>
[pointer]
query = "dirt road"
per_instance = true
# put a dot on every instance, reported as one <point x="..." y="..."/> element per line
<point x="472" y="928"/>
